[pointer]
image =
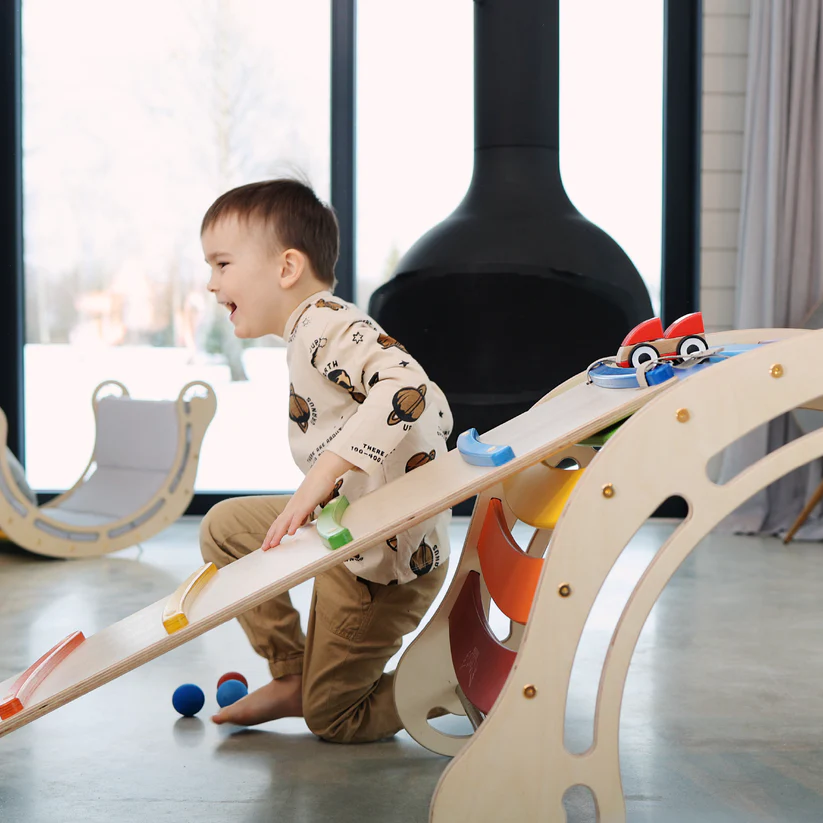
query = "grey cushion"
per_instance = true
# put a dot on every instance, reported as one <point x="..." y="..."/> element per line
<point x="20" y="477"/>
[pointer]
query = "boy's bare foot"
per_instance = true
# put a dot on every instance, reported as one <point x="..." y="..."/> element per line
<point x="280" y="698"/>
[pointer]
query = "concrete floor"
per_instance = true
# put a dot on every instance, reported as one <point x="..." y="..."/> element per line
<point x="722" y="719"/>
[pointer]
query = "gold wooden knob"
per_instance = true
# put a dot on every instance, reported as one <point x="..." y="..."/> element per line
<point x="683" y="415"/>
<point x="776" y="370"/>
<point x="608" y="490"/>
<point x="565" y="590"/>
<point x="529" y="691"/>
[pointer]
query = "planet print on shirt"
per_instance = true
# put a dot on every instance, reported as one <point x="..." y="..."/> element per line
<point x="387" y="342"/>
<point x="328" y="304"/>
<point x="298" y="410"/>
<point x="422" y="561"/>
<point x="418" y="460"/>
<point x="408" y="404"/>
<point x="341" y="378"/>
<point x="392" y="543"/>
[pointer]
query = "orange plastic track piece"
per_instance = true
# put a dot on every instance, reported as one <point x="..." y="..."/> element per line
<point x="15" y="701"/>
<point x="685" y="326"/>
<point x="481" y="662"/>
<point x="511" y="575"/>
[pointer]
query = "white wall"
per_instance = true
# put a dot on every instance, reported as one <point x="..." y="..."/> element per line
<point x="725" y="50"/>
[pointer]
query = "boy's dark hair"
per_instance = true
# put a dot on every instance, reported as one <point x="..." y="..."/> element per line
<point x="294" y="214"/>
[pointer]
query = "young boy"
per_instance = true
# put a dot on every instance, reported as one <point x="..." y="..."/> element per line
<point x="361" y="413"/>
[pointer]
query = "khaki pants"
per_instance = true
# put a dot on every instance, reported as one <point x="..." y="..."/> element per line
<point x="355" y="627"/>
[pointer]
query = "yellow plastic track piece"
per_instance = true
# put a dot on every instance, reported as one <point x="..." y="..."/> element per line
<point x="174" y="614"/>
<point x="537" y="495"/>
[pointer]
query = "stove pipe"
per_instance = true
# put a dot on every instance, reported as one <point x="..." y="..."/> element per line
<point x="515" y="291"/>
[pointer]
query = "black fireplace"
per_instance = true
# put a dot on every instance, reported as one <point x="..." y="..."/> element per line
<point x="515" y="291"/>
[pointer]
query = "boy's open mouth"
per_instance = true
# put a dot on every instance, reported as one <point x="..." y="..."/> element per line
<point x="232" y="307"/>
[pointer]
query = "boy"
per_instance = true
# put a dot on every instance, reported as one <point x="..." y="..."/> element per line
<point x="361" y="412"/>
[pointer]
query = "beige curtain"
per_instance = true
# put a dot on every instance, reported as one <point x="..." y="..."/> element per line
<point x="779" y="275"/>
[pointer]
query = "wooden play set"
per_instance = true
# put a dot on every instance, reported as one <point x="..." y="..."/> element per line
<point x="585" y="467"/>
<point x="139" y="479"/>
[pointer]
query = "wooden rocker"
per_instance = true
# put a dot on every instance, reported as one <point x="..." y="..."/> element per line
<point x="139" y="479"/>
<point x="521" y="737"/>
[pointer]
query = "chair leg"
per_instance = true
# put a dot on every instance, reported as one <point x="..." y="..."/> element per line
<point x="803" y="516"/>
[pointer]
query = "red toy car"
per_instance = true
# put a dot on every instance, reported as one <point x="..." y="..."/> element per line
<point x="648" y="341"/>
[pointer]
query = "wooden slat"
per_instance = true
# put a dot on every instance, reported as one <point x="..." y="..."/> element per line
<point x="539" y="494"/>
<point x="481" y="662"/>
<point x="511" y="575"/>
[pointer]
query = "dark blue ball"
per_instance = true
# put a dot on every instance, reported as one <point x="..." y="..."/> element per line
<point x="230" y="692"/>
<point x="188" y="699"/>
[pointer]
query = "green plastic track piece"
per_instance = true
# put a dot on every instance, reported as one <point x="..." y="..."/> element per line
<point x="599" y="440"/>
<point x="331" y="532"/>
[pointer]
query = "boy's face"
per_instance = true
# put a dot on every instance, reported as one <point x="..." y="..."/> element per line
<point x="246" y="276"/>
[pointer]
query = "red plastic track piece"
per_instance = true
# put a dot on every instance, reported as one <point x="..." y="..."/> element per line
<point x="510" y="574"/>
<point x="647" y="330"/>
<point x="687" y="325"/>
<point x="481" y="662"/>
<point x="15" y="701"/>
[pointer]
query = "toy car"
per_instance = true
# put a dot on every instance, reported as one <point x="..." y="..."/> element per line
<point x="647" y="341"/>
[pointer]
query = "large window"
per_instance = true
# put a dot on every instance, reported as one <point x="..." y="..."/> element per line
<point x="415" y="129"/>
<point x="415" y="124"/>
<point x="611" y="123"/>
<point x="135" y="117"/>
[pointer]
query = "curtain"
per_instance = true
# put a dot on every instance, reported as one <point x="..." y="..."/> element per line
<point x="778" y="278"/>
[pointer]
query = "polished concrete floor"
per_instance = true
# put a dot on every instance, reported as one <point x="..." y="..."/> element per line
<point x="722" y="718"/>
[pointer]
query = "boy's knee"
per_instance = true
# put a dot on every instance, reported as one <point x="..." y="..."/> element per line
<point x="347" y="726"/>
<point x="321" y="724"/>
<point x="217" y="524"/>
<point x="329" y="726"/>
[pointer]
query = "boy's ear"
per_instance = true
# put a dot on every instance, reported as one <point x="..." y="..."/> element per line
<point x="294" y="264"/>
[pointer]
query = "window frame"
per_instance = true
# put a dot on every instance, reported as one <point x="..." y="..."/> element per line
<point x="681" y="184"/>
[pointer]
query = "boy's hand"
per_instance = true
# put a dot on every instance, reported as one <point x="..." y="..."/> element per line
<point x="316" y="487"/>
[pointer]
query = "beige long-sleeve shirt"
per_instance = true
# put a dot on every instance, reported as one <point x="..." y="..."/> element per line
<point x="358" y="393"/>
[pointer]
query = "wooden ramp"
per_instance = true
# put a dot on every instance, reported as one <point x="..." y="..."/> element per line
<point x="572" y="415"/>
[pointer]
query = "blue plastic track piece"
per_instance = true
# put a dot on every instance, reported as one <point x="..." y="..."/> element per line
<point x="481" y="454"/>
<point x="619" y="377"/>
<point x="659" y="374"/>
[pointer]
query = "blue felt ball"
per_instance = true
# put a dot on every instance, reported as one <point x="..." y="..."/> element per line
<point x="188" y="699"/>
<point x="230" y="692"/>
